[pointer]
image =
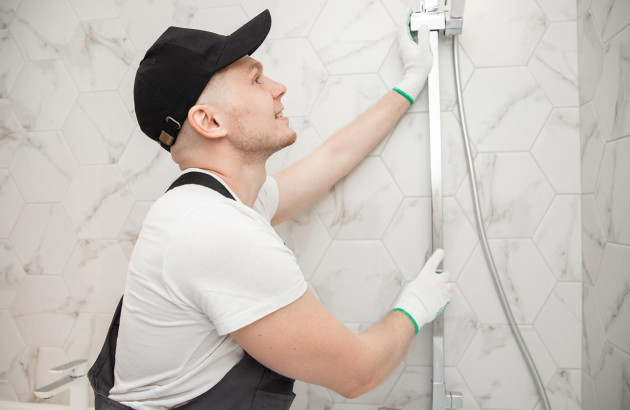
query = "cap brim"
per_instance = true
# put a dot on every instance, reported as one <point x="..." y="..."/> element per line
<point x="246" y="39"/>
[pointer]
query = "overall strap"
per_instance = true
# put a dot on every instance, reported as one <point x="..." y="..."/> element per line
<point x="200" y="178"/>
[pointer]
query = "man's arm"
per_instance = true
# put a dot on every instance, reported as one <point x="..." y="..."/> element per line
<point x="306" y="342"/>
<point x="306" y="180"/>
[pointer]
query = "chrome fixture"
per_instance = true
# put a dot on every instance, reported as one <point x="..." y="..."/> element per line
<point x="76" y="381"/>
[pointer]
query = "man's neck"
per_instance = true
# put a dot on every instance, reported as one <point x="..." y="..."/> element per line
<point x="245" y="180"/>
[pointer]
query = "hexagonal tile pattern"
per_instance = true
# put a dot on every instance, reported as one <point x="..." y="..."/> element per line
<point x="613" y="191"/>
<point x="347" y="264"/>
<point x="132" y="226"/>
<point x="43" y="167"/>
<point x="353" y="36"/>
<point x="524" y="276"/>
<point x="10" y="203"/>
<point x="343" y="99"/>
<point x="98" y="128"/>
<point x="407" y="238"/>
<point x="10" y="340"/>
<point x="220" y="20"/>
<point x="561" y="315"/>
<point x="406" y="155"/>
<point x="96" y="9"/>
<point x="611" y="16"/>
<point x="610" y="99"/>
<point x="593" y="239"/>
<point x="303" y="74"/>
<point x="290" y="18"/>
<point x="42" y="28"/>
<point x="559" y="10"/>
<point x="164" y="13"/>
<point x="96" y="275"/>
<point x="307" y="237"/>
<point x="7" y="12"/>
<point x="147" y="168"/>
<point x="590" y="49"/>
<point x="43" y="238"/>
<point x="11" y="63"/>
<point x="353" y="209"/>
<point x="593" y="339"/>
<point x="43" y="94"/>
<point x="11" y="133"/>
<point x="307" y="141"/>
<point x="43" y="311"/>
<point x="559" y="238"/>
<point x="11" y="274"/>
<point x="505" y="108"/>
<point x="513" y="194"/>
<point x="555" y="65"/>
<point x="520" y="25"/>
<point x="610" y="383"/>
<point x="412" y="390"/>
<point x="87" y="335"/>
<point x="592" y="147"/>
<point x="564" y="390"/>
<point x="98" y="55"/>
<point x="311" y="396"/>
<point x="460" y="326"/>
<point x="611" y="291"/>
<point x="31" y="370"/>
<point x="498" y="386"/>
<point x="557" y="150"/>
<point x="98" y="202"/>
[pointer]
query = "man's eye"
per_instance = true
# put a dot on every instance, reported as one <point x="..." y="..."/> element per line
<point x="256" y="80"/>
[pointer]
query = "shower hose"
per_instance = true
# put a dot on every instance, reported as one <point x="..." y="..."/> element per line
<point x="484" y="241"/>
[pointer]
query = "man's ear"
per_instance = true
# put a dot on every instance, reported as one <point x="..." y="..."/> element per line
<point x="206" y="122"/>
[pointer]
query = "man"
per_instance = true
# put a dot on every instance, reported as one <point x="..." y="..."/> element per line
<point x="209" y="278"/>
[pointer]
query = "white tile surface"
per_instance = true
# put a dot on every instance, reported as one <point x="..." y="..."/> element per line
<point x="610" y="99"/>
<point x="98" y="54"/>
<point x="96" y="9"/>
<point x="353" y="36"/>
<point x="11" y="203"/>
<point x="42" y="28"/>
<point x="460" y="326"/>
<point x="11" y="63"/>
<point x="555" y="66"/>
<point x="611" y="16"/>
<point x="592" y="147"/>
<point x="513" y="194"/>
<point x="559" y="10"/>
<point x="98" y="202"/>
<point x="505" y="108"/>
<point x="460" y="237"/>
<point x="98" y="128"/>
<point x="10" y="340"/>
<point x="11" y="274"/>
<point x="559" y="238"/>
<point x="357" y="280"/>
<point x="43" y="238"/>
<point x="43" y="310"/>
<point x="132" y="226"/>
<point x="500" y="33"/>
<point x="96" y="275"/>
<point x="613" y="191"/>
<point x="11" y="133"/>
<point x="32" y="370"/>
<point x="87" y="336"/>
<point x="593" y="239"/>
<point x="362" y="204"/>
<point x="589" y="50"/>
<point x="557" y="150"/>
<point x="307" y="141"/>
<point x="43" y="94"/>
<point x="613" y="295"/>
<point x="43" y="167"/>
<point x="564" y="390"/>
<point x="220" y="20"/>
<point x="560" y="316"/>
<point x="290" y="18"/>
<point x="593" y="340"/>
<point x="412" y="390"/>
<point x="612" y="389"/>
<point x="524" y="276"/>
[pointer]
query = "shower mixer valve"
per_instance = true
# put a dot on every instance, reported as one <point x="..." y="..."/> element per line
<point x="437" y="17"/>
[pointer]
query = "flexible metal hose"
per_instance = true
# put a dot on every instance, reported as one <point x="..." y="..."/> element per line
<point x="484" y="241"/>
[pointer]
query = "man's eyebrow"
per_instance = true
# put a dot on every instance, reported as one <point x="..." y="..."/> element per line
<point x="255" y="65"/>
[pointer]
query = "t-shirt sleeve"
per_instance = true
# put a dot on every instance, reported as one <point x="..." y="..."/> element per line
<point x="233" y="269"/>
<point x="268" y="198"/>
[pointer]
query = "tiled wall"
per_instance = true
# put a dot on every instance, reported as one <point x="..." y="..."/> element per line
<point x="604" y="50"/>
<point x="77" y="178"/>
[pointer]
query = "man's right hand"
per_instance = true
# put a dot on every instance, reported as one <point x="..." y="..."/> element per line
<point x="425" y="297"/>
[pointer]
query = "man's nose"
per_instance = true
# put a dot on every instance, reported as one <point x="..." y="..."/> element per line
<point x="278" y="89"/>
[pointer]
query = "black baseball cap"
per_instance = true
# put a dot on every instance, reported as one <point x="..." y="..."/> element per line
<point x="177" y="67"/>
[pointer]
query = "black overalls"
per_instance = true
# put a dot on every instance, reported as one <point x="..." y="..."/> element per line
<point x="248" y="385"/>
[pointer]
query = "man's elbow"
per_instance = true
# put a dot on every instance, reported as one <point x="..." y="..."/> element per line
<point x="361" y="379"/>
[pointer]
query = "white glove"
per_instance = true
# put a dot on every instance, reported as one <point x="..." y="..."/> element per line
<point x="417" y="61"/>
<point x="425" y="297"/>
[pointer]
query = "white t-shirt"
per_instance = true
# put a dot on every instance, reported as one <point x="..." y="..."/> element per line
<point x="203" y="266"/>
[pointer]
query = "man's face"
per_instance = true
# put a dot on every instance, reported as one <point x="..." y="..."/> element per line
<point x="256" y="124"/>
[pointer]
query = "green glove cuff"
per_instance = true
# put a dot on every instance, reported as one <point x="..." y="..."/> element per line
<point x="404" y="94"/>
<point x="409" y="316"/>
